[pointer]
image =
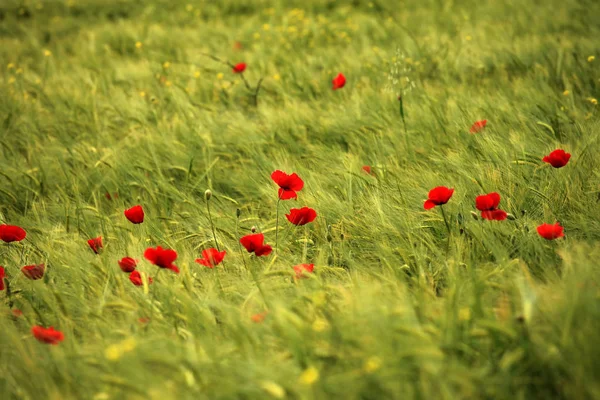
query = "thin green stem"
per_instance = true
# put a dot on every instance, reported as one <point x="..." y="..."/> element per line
<point x="212" y="226"/>
<point x="277" y="227"/>
<point x="153" y="298"/>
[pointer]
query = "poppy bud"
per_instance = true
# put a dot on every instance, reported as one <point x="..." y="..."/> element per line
<point x="238" y="212"/>
<point x="511" y="217"/>
<point x="474" y="215"/>
<point x="207" y="194"/>
<point x="253" y="229"/>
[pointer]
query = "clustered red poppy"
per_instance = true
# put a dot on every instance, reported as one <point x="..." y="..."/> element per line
<point x="95" y="244"/>
<point x="136" y="278"/>
<point x="478" y="126"/>
<point x="162" y="258"/>
<point x="558" y="158"/>
<point x="34" y="272"/>
<point x="488" y="205"/>
<point x="288" y="184"/>
<point x="438" y="196"/>
<point x="239" y="68"/>
<point x="128" y="264"/>
<point x="339" y="81"/>
<point x="12" y="233"/>
<point x="135" y="214"/>
<point x="2" y="276"/>
<point x="47" y="335"/>
<point x="550" y="231"/>
<point x="301" y="216"/>
<point x="255" y="243"/>
<point x="211" y="257"/>
<point x="302" y="269"/>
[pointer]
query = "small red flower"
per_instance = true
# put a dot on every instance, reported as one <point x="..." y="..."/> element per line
<point x="95" y="244"/>
<point x="367" y="169"/>
<point x="136" y="278"/>
<point x="339" y="81"/>
<point x="494" y="215"/>
<point x="211" y="258"/>
<point x="260" y="317"/>
<point x="478" y="126"/>
<point x="135" y="214"/>
<point x="16" y="312"/>
<point x="301" y="269"/>
<point x="438" y="196"/>
<point x="550" y="232"/>
<point x="288" y="184"/>
<point x="558" y="158"/>
<point x="11" y="233"/>
<point x="127" y="264"/>
<point x="2" y="276"/>
<point x="254" y="243"/>
<point x="47" y="335"/>
<point x="143" y="320"/>
<point x="301" y="216"/>
<point x="162" y="258"/>
<point x="488" y="205"/>
<point x="237" y="45"/>
<point x="239" y="68"/>
<point x="34" y="272"/>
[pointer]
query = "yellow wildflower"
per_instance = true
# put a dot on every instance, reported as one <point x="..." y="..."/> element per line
<point x="138" y="45"/>
<point x="591" y="58"/>
<point x="10" y="66"/>
<point x="566" y="93"/>
<point x="273" y="389"/>
<point x="309" y="376"/>
<point x="277" y="77"/>
<point x="166" y="65"/>
<point x="197" y="74"/>
<point x="592" y="100"/>
<point x="142" y="94"/>
<point x="266" y="27"/>
<point x="372" y="364"/>
<point x="468" y="37"/>
<point x="220" y="75"/>
<point x="47" y="53"/>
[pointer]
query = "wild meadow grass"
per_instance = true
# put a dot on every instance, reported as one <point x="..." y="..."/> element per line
<point x="107" y="104"/>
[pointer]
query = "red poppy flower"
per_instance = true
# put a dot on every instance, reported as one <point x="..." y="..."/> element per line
<point x="438" y="196"/>
<point x="162" y="258"/>
<point x="2" y="276"/>
<point x="95" y="244"/>
<point x="34" y="272"/>
<point x="478" y="126"/>
<point x="136" y="278"/>
<point x="239" y="68"/>
<point x="288" y="184"/>
<point x="135" y="214"/>
<point x="367" y="169"/>
<point x="339" y="81"/>
<point x="558" y="158"/>
<point x="301" y="216"/>
<point x="488" y="205"/>
<point x="254" y="243"/>
<point x="47" y="335"/>
<point x="301" y="269"/>
<point x="11" y="233"/>
<point x="127" y="264"/>
<point x="211" y="258"/>
<point x="260" y="317"/>
<point x="550" y="232"/>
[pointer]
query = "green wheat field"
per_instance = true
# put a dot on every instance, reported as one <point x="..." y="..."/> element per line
<point x="109" y="104"/>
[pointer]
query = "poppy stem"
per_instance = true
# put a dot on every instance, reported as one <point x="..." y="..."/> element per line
<point x="152" y="299"/>
<point x="237" y="234"/>
<point x="447" y="225"/>
<point x="277" y="227"/>
<point x="212" y="226"/>
<point x="305" y="250"/>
